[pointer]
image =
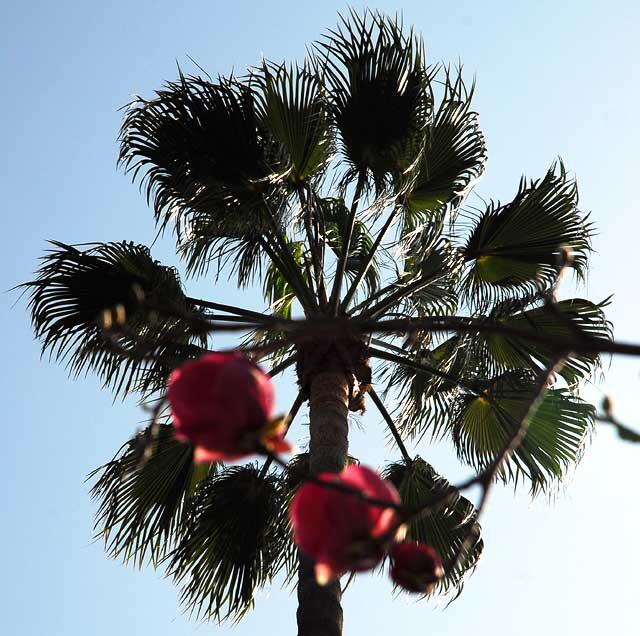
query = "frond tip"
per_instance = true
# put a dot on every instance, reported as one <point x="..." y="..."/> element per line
<point x="446" y="527"/>
<point x="236" y="538"/>
<point x="78" y="291"/>
<point x="142" y="503"/>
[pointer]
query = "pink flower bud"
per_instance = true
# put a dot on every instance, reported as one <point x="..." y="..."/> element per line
<point x="222" y="403"/>
<point x="339" y="531"/>
<point x="416" y="567"/>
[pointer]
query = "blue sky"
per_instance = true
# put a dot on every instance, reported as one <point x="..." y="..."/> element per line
<point x="552" y="79"/>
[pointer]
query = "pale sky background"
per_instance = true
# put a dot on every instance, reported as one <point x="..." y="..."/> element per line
<point x="553" y="78"/>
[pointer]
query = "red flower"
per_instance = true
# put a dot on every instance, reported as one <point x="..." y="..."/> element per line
<point x="415" y="566"/>
<point x="222" y="403"/>
<point x="339" y="531"/>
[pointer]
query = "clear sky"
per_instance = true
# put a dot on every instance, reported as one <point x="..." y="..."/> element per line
<point x="554" y="78"/>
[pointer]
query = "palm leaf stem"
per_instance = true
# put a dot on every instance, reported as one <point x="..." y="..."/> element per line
<point x="334" y="303"/>
<point x="392" y="427"/>
<point x="227" y="308"/>
<point x="419" y="366"/>
<point x="287" y="257"/>
<point x="314" y="250"/>
<point x="292" y="276"/>
<point x="402" y="292"/>
<point x="369" y="259"/>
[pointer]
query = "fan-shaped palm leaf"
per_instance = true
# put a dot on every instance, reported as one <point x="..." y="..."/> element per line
<point x="516" y="246"/>
<point x="565" y="319"/>
<point x="454" y="155"/>
<point x="446" y="527"/>
<point x="142" y="501"/>
<point x="157" y="328"/>
<point x="198" y="148"/>
<point x="236" y="538"/>
<point x="292" y="107"/>
<point x="208" y="165"/>
<point x="377" y="91"/>
<point x="482" y="423"/>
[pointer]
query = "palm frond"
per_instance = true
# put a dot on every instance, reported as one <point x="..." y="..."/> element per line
<point x="158" y="328"/>
<point x="377" y="92"/>
<point x="291" y="105"/>
<point x="515" y="247"/>
<point x="454" y="155"/>
<point x="426" y="399"/>
<point x="566" y="319"/>
<point x="446" y="527"/>
<point x="142" y="501"/>
<point x="482" y="423"/>
<point x="204" y="160"/>
<point x="236" y="538"/>
<point x="427" y="286"/>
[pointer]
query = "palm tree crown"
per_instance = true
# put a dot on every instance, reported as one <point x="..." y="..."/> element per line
<point x="340" y="185"/>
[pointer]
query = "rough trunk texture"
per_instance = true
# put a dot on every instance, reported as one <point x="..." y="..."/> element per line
<point x="319" y="610"/>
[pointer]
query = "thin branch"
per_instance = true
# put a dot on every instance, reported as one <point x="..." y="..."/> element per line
<point x="334" y="303"/>
<point x="392" y="427"/>
<point x="341" y="328"/>
<point x="331" y="484"/>
<point x="488" y="476"/>
<point x="624" y="432"/>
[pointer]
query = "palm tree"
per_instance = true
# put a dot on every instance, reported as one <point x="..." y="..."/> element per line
<point x="340" y="185"/>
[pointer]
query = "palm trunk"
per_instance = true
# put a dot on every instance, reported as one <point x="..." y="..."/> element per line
<point x="319" y="610"/>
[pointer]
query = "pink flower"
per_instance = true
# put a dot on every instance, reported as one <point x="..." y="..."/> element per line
<point x="339" y="531"/>
<point x="223" y="403"/>
<point x="416" y="567"/>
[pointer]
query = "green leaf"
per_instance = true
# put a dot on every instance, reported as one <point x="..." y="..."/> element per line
<point x="482" y="423"/>
<point x="446" y="527"/>
<point x="516" y="246"/>
<point x="142" y="502"/>
<point x="156" y="328"/>
<point x="235" y="539"/>
<point x="199" y="151"/>
<point x="566" y="319"/>
<point x="426" y="399"/>
<point x="377" y="91"/>
<point x="454" y="155"/>
<point x="292" y="107"/>
<point x="197" y="147"/>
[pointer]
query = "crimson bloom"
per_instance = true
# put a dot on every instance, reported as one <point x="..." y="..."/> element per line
<point x="341" y="532"/>
<point x="223" y="403"/>
<point x="416" y="567"/>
